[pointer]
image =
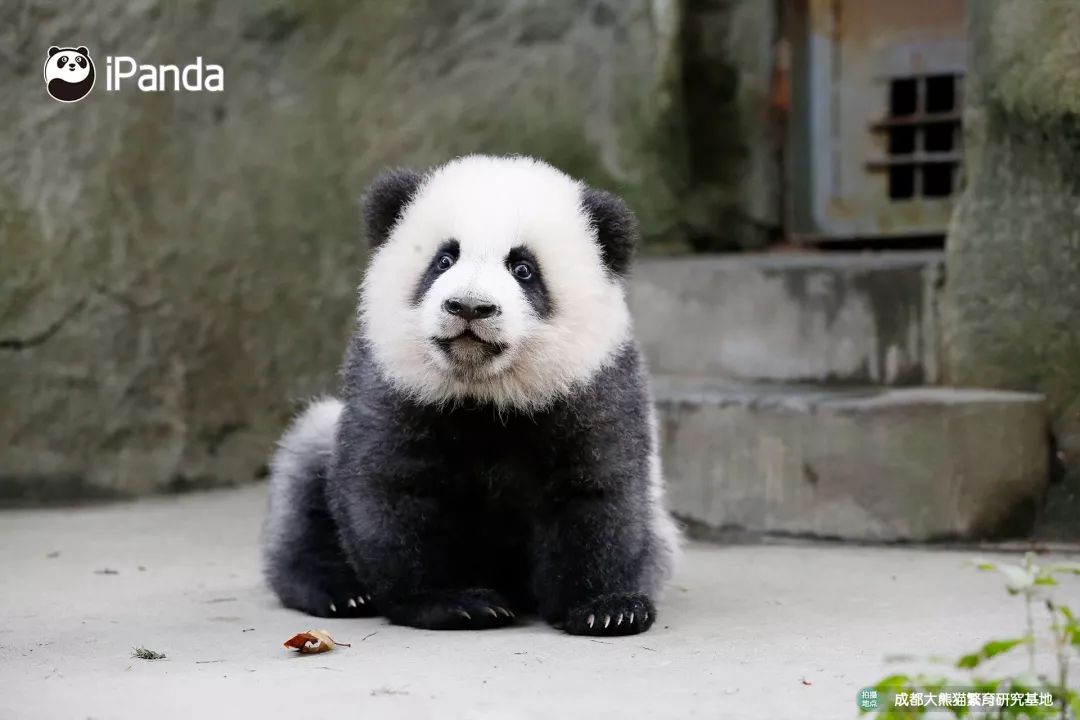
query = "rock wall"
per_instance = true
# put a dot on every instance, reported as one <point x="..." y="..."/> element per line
<point x="178" y="270"/>
<point x="1012" y="301"/>
<point x="734" y="167"/>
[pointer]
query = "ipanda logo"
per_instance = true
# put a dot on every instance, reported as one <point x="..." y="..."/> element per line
<point x="69" y="75"/>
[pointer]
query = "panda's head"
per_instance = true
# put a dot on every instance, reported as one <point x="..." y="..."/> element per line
<point x="494" y="278"/>
<point x="69" y="73"/>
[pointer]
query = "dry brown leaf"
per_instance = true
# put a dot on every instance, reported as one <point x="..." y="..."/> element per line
<point x="313" y="641"/>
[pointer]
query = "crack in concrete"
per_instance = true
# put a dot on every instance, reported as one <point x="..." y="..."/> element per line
<point x="17" y="344"/>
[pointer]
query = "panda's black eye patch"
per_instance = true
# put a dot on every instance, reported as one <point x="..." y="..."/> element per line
<point x="523" y="265"/>
<point x="444" y="258"/>
<point x="82" y="63"/>
<point x="62" y="61"/>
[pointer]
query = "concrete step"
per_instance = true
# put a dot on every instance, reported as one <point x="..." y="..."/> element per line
<point x="865" y="318"/>
<point x="878" y="464"/>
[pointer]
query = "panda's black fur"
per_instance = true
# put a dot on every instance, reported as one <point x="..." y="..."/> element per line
<point x="464" y="515"/>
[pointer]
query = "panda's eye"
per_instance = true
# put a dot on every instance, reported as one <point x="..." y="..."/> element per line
<point x="82" y="63"/>
<point x="522" y="271"/>
<point x="62" y="60"/>
<point x="444" y="262"/>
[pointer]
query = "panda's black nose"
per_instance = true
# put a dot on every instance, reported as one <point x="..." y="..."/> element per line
<point x="470" y="309"/>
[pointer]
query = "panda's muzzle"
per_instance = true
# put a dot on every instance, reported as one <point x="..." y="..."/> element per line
<point x="469" y="309"/>
<point x="470" y="342"/>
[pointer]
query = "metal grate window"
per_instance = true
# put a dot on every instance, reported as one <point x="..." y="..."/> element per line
<point x="922" y="136"/>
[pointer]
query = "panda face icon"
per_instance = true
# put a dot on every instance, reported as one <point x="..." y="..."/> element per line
<point x="69" y="73"/>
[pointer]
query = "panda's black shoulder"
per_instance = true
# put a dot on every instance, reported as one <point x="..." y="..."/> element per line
<point x="361" y="380"/>
<point x="611" y="407"/>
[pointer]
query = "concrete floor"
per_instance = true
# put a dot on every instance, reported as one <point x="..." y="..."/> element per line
<point x="750" y="631"/>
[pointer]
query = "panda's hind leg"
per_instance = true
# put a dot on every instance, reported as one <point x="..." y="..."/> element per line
<point x="305" y="565"/>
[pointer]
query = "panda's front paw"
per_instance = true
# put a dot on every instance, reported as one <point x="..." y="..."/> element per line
<point x="614" y="614"/>
<point x="356" y="604"/>
<point x="336" y="603"/>
<point x="478" y="609"/>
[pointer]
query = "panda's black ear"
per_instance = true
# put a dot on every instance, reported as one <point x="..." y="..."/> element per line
<point x="384" y="200"/>
<point x="53" y="50"/>
<point x="616" y="228"/>
<point x="82" y="51"/>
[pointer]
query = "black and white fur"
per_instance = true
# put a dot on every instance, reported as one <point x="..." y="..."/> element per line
<point x="69" y="73"/>
<point x="494" y="449"/>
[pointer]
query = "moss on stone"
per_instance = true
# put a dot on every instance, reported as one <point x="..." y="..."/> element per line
<point x="1012" y="301"/>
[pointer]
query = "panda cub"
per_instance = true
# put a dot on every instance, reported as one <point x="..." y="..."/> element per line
<point x="494" y="450"/>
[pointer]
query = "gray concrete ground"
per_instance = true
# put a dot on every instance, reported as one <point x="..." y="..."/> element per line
<point x="749" y="631"/>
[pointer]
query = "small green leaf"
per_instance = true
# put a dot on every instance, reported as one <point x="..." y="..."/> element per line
<point x="997" y="647"/>
<point x="987" y="686"/>
<point x="989" y="650"/>
<point x="1069" y="568"/>
<point x="968" y="662"/>
<point x="1017" y="578"/>
<point x="1045" y="580"/>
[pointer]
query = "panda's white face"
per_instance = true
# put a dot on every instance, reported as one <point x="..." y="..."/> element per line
<point x="492" y="285"/>
<point x="68" y="65"/>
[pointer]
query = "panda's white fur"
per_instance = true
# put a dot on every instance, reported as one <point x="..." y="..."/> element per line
<point x="491" y="205"/>
<point x="307" y="446"/>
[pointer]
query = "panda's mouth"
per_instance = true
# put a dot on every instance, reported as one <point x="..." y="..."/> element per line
<point x="468" y="347"/>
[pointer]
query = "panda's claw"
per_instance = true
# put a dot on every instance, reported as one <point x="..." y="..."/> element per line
<point x="337" y="602"/>
<point x="631" y="612"/>
<point x="469" y="609"/>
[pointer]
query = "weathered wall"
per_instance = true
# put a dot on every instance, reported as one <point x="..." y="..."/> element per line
<point x="733" y="169"/>
<point x="1012" y="302"/>
<point x="178" y="270"/>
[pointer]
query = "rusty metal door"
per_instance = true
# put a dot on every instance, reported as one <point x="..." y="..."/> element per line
<point x="874" y="147"/>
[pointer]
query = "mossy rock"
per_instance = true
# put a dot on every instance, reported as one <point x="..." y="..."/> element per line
<point x="1012" y="300"/>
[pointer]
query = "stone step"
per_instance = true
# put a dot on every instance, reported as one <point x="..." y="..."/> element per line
<point x="865" y="318"/>
<point x="876" y="464"/>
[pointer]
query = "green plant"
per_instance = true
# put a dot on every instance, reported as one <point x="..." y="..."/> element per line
<point x="1029" y="696"/>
